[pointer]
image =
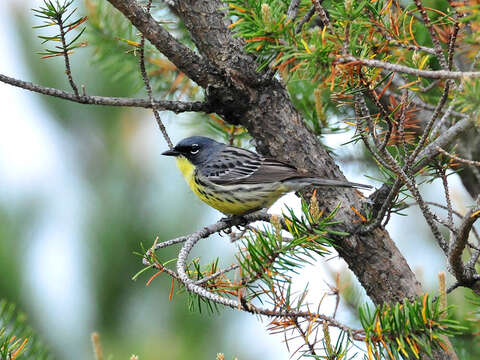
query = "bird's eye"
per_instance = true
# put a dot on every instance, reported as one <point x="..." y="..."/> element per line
<point x="194" y="149"/>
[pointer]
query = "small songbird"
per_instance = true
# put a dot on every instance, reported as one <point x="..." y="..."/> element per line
<point x="236" y="181"/>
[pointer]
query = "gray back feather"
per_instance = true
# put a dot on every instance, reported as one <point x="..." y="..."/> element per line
<point x="234" y="165"/>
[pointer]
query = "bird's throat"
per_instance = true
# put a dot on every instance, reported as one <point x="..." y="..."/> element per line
<point x="187" y="169"/>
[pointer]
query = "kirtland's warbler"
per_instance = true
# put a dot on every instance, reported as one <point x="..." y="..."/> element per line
<point x="236" y="181"/>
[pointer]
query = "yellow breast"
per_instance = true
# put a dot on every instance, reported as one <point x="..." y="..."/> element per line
<point x="187" y="169"/>
<point x="235" y="200"/>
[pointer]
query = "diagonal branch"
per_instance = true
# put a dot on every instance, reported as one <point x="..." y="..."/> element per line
<point x="185" y="59"/>
<point x="461" y="240"/>
<point x="146" y="81"/>
<point x="175" y="106"/>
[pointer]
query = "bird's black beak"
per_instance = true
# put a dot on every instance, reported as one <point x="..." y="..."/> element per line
<point x="171" y="152"/>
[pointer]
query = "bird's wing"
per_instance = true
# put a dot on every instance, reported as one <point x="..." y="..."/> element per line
<point x="239" y="166"/>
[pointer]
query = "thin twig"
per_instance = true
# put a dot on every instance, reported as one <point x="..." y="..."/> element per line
<point x="456" y="158"/>
<point x="431" y="122"/>
<point x="451" y="44"/>
<point x="459" y="244"/>
<point x="443" y="140"/>
<point x="322" y="14"/>
<point x="443" y="176"/>
<point x="175" y="106"/>
<point x="217" y="274"/>
<point x="436" y="43"/>
<point x="409" y="181"/>
<point x="149" y="88"/>
<point x="306" y="19"/>
<point x="293" y="10"/>
<point x="65" y="55"/>
<point x="431" y="74"/>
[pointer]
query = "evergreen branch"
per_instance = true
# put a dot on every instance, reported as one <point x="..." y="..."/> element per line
<point x="175" y="106"/>
<point x="54" y="14"/>
<point x="194" y="286"/>
<point x="408" y="329"/>
<point x="17" y="339"/>
<point x="68" y="71"/>
<point x="186" y="60"/>
<point x="431" y="74"/>
<point x="433" y="35"/>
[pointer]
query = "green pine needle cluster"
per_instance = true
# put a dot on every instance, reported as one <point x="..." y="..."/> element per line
<point x="56" y="14"/>
<point x="408" y="329"/>
<point x="17" y="339"/>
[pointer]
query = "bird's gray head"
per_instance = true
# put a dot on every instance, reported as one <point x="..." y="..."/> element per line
<point x="197" y="149"/>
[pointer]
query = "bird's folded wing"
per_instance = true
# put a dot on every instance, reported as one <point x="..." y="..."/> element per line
<point x="240" y="166"/>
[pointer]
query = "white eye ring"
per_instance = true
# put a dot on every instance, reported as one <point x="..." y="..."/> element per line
<point x="193" y="152"/>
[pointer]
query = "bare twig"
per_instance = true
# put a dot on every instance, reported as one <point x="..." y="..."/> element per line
<point x="431" y="74"/>
<point x="443" y="176"/>
<point x="305" y="19"/>
<point x="217" y="274"/>
<point x="451" y="45"/>
<point x="456" y="213"/>
<point x="293" y="10"/>
<point x="431" y="122"/>
<point x="456" y="158"/>
<point x="149" y="88"/>
<point x="175" y="106"/>
<point x="322" y="14"/>
<point x="409" y="181"/>
<point x="443" y="140"/>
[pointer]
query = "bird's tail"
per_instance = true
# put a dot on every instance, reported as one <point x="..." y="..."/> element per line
<point x="302" y="182"/>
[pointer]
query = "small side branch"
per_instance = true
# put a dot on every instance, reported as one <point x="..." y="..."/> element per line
<point x="149" y="88"/>
<point x="431" y="74"/>
<point x="456" y="158"/>
<point x="65" y="56"/>
<point x="461" y="240"/>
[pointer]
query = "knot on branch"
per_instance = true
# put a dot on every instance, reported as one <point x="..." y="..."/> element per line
<point x="228" y="102"/>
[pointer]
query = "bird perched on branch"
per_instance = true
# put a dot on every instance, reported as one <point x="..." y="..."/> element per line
<point x="237" y="181"/>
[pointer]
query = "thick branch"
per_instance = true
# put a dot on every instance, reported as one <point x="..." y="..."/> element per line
<point x="187" y="61"/>
<point x="175" y="106"/>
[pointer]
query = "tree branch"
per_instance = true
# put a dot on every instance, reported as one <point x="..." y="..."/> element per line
<point x="175" y="106"/>
<point x="432" y="74"/>
<point x="461" y="240"/>
<point x="186" y="60"/>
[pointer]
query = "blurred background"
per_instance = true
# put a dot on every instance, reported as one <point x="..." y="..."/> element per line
<point x="82" y="187"/>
